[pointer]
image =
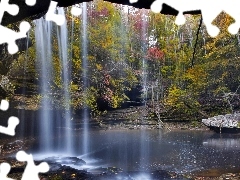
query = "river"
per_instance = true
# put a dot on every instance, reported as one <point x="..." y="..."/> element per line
<point x="181" y="151"/>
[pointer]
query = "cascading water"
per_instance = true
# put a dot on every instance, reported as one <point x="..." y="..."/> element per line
<point x="144" y="64"/>
<point x="190" y="34"/>
<point x="85" y="71"/>
<point x="43" y="38"/>
<point x="144" y="144"/>
<point x="238" y="38"/>
<point x="20" y="112"/>
<point x="63" y="53"/>
<point x="123" y="26"/>
<point x="44" y="48"/>
<point x="72" y="40"/>
<point x="204" y="40"/>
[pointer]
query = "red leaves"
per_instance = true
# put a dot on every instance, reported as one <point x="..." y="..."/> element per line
<point x="108" y="94"/>
<point x="140" y="24"/>
<point x="154" y="53"/>
<point x="106" y="79"/>
<point x="102" y="13"/>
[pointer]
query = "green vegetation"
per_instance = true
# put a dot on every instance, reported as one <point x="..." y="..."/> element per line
<point x="126" y="47"/>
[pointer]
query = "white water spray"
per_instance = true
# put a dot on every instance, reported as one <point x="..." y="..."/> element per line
<point x="44" y="61"/>
<point x="63" y="53"/>
<point x="85" y="70"/>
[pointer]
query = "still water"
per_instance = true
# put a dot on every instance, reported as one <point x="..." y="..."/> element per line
<point x="145" y="150"/>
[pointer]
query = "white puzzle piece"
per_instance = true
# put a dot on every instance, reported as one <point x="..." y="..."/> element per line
<point x="76" y="10"/>
<point x="31" y="171"/>
<point x="133" y="1"/>
<point x="51" y="16"/>
<point x="12" y="124"/>
<point x="4" y="105"/>
<point x="9" y="36"/>
<point x="12" y="121"/>
<point x="12" y="9"/>
<point x="30" y="2"/>
<point x="210" y="10"/>
<point x="4" y="170"/>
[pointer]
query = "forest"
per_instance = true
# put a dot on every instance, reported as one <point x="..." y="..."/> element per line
<point x="132" y="55"/>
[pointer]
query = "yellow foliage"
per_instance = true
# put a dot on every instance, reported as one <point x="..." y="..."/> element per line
<point x="91" y="58"/>
<point x="173" y="96"/>
<point x="99" y="67"/>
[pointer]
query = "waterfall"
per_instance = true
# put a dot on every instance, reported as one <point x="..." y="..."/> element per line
<point x="189" y="28"/>
<point x="85" y="71"/>
<point x="63" y="54"/>
<point x="47" y="131"/>
<point x="43" y="38"/>
<point x="238" y="38"/>
<point x="20" y="112"/>
<point x="204" y="40"/>
<point x="144" y="147"/>
<point x="144" y="50"/>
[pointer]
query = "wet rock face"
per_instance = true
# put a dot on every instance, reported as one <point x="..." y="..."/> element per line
<point x="8" y="148"/>
<point x="56" y="163"/>
<point x="41" y="7"/>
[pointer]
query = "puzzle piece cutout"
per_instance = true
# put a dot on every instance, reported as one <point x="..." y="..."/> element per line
<point x="4" y="170"/>
<point x="12" y="9"/>
<point x="76" y="10"/>
<point x="9" y="36"/>
<point x="12" y="121"/>
<point x="51" y="16"/>
<point x="30" y="2"/>
<point x="4" y="105"/>
<point x="31" y="171"/>
<point x="12" y="124"/>
<point x="210" y="10"/>
<point x="133" y="1"/>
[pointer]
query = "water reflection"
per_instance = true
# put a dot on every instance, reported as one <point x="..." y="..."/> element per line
<point x="178" y="151"/>
<point x="223" y="142"/>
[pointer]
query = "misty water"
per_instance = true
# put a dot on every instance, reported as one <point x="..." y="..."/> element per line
<point x="178" y="151"/>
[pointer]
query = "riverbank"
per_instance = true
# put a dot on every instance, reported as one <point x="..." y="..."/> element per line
<point x="63" y="172"/>
<point x="144" y="117"/>
<point x="217" y="174"/>
<point x="128" y="118"/>
<point x="177" y="125"/>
